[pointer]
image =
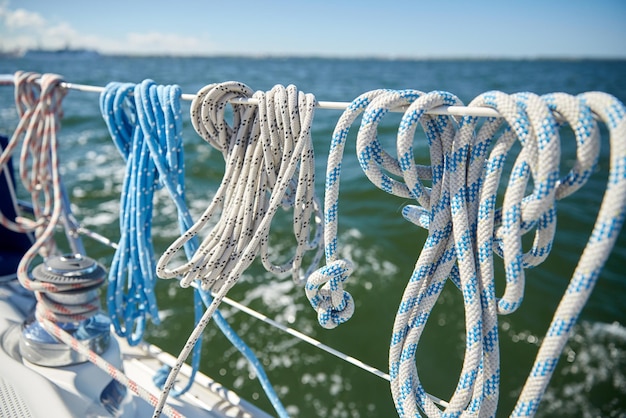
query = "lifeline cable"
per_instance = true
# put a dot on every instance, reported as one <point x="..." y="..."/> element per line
<point x="269" y="163"/>
<point x="155" y="111"/>
<point x="321" y="104"/>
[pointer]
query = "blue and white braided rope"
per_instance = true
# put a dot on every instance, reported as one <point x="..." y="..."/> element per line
<point x="324" y="287"/>
<point x="465" y="227"/>
<point x="606" y="229"/>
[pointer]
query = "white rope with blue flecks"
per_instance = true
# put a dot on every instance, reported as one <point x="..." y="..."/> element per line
<point x="606" y="229"/>
<point x="269" y="164"/>
<point x="324" y="287"/>
<point x="465" y="227"/>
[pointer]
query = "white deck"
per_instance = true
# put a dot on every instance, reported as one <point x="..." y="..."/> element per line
<point x="28" y="390"/>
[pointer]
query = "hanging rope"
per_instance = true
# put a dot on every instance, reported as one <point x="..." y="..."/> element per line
<point x="130" y="293"/>
<point x="159" y="116"/>
<point x="157" y="113"/>
<point x="260" y="151"/>
<point x="465" y="227"/>
<point x="324" y="287"/>
<point x="605" y="231"/>
<point x="269" y="163"/>
<point x="40" y="112"/>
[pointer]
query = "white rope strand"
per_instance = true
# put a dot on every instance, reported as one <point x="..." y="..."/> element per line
<point x="606" y="229"/>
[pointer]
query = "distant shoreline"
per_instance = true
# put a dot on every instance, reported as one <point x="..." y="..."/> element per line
<point x="92" y="53"/>
<point x="69" y="51"/>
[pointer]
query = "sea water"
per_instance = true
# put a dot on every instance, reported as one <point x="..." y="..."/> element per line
<point x="590" y="379"/>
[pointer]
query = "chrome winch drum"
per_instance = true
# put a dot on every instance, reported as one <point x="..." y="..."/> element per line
<point x="36" y="344"/>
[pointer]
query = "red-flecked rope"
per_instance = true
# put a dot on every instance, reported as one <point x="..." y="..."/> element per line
<point x="107" y="367"/>
<point x="38" y="100"/>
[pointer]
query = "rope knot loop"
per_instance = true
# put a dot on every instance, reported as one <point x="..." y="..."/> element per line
<point x="324" y="289"/>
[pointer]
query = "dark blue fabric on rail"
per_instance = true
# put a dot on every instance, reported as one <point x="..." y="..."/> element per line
<point x="13" y="244"/>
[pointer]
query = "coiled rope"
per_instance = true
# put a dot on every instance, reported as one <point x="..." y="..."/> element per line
<point x="465" y="227"/>
<point x="40" y="112"/>
<point x="130" y="293"/>
<point x="156" y="111"/>
<point x="269" y="163"/>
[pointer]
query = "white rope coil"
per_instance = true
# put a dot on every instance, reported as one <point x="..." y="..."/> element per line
<point x="465" y="227"/>
<point x="269" y="164"/>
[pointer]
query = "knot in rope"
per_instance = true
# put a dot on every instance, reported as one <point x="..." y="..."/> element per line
<point x="324" y="289"/>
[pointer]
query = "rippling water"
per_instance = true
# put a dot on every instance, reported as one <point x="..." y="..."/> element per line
<point x="591" y="376"/>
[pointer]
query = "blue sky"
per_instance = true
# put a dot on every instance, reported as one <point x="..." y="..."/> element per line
<point x="402" y="28"/>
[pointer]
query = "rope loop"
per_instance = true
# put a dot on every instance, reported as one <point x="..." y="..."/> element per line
<point x="608" y="224"/>
<point x="269" y="158"/>
<point x="119" y="112"/>
<point x="372" y="158"/>
<point x="331" y="197"/>
<point x="208" y="113"/>
<point x="441" y="207"/>
<point x="579" y="117"/>
<point x="466" y="228"/>
<point x="324" y="289"/>
<point x="535" y="127"/>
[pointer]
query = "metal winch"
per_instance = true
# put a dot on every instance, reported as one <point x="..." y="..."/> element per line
<point x="82" y="276"/>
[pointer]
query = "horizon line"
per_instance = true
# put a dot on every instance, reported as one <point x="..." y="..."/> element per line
<point x="96" y="52"/>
